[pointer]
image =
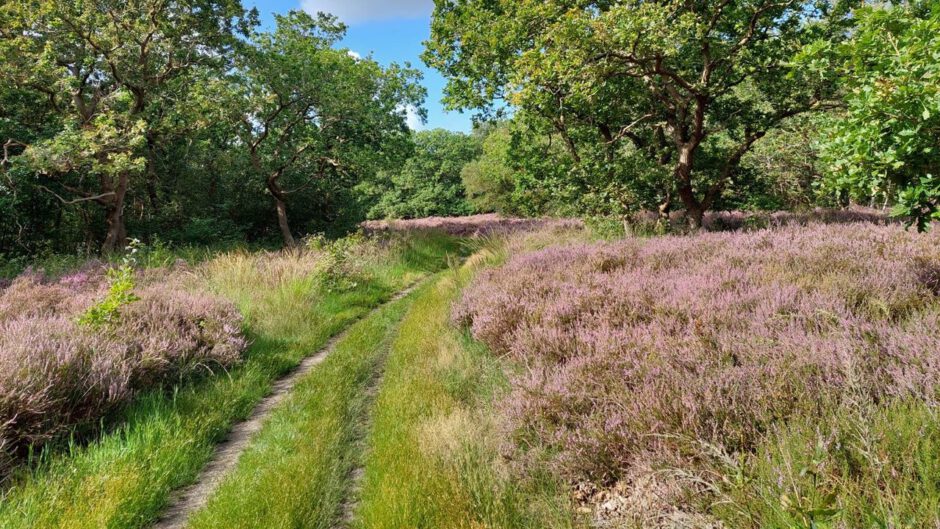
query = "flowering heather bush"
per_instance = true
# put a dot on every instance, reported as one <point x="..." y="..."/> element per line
<point x="647" y="221"/>
<point x="56" y="375"/>
<point x="473" y="225"/>
<point x="641" y="350"/>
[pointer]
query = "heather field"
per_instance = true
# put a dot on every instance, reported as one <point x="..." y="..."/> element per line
<point x="542" y="373"/>
<point x="469" y="264"/>
<point x="774" y="378"/>
<point x="60" y="375"/>
<point x="471" y="225"/>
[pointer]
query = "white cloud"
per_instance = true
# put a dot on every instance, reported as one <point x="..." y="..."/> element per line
<point x="413" y="119"/>
<point x="354" y="54"/>
<point x="353" y="11"/>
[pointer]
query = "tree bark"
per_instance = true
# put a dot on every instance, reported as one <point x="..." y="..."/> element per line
<point x="694" y="211"/>
<point x="116" y="238"/>
<point x="280" y="204"/>
<point x="665" y="207"/>
<point x="289" y="240"/>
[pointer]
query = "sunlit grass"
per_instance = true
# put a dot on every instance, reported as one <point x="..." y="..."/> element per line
<point x="432" y="460"/>
<point x="294" y="473"/>
<point x="122" y="480"/>
<point x="856" y="466"/>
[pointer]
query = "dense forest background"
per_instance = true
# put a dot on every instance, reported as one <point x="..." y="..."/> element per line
<point x="186" y="123"/>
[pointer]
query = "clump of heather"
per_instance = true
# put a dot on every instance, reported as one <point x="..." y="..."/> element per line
<point x="646" y="351"/>
<point x="57" y="375"/>
<point x="471" y="225"/>
<point x="649" y="221"/>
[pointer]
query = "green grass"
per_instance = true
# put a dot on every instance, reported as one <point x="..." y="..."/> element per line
<point x="294" y="472"/>
<point x="859" y="466"/>
<point x="155" y="255"/>
<point x="432" y="460"/>
<point x="123" y="478"/>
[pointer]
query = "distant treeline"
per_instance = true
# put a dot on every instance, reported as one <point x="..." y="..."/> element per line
<point x="185" y="122"/>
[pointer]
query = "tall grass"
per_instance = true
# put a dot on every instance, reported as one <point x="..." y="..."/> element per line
<point x="432" y="460"/>
<point x="859" y="465"/>
<point x="123" y="479"/>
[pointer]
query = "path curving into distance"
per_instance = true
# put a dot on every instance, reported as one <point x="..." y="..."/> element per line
<point x="187" y="500"/>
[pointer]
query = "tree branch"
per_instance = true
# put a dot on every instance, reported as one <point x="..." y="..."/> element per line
<point x="97" y="198"/>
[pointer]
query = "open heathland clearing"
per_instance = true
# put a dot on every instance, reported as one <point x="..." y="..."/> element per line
<point x="551" y="379"/>
<point x="631" y="264"/>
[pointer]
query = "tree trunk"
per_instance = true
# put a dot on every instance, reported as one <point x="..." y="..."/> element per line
<point x="694" y="211"/>
<point x="280" y="204"/>
<point x="151" y="174"/>
<point x="116" y="238"/>
<point x="289" y="240"/>
<point x="665" y="207"/>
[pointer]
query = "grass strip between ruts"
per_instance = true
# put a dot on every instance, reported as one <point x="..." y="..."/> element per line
<point x="432" y="460"/>
<point x="295" y="471"/>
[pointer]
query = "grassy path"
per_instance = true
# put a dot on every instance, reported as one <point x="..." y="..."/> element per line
<point x="432" y="460"/>
<point x="126" y="478"/>
<point x="225" y="458"/>
<point x="296" y="471"/>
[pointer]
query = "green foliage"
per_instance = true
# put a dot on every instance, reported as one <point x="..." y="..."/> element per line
<point x="107" y="75"/>
<point x="782" y="171"/>
<point x="884" y="144"/>
<point x="514" y="174"/>
<point x="627" y="87"/>
<point x="489" y="180"/>
<point x="120" y="291"/>
<point x="182" y="121"/>
<point x="313" y="118"/>
<point x="429" y="182"/>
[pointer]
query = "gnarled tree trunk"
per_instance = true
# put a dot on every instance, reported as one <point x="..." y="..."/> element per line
<point x="280" y="204"/>
<point x="116" y="238"/>
<point x="694" y="211"/>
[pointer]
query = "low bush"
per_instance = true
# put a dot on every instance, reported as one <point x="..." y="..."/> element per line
<point x="646" y="223"/>
<point x="469" y="226"/>
<point x="57" y="374"/>
<point x="658" y="353"/>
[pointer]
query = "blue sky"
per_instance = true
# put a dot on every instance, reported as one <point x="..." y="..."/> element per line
<point x="390" y="30"/>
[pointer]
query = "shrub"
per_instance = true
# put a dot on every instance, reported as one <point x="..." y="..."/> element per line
<point x="120" y="293"/>
<point x="471" y="225"/>
<point x="57" y="375"/>
<point x="644" y="351"/>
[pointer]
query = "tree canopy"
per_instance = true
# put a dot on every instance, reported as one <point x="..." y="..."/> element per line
<point x="429" y="181"/>
<point x="885" y="143"/>
<point x="188" y="121"/>
<point x="310" y="112"/>
<point x="178" y="118"/>
<point x="687" y="85"/>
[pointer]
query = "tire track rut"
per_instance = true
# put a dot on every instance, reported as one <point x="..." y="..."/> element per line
<point x="187" y="500"/>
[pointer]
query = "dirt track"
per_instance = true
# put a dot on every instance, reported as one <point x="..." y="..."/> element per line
<point x="186" y="501"/>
